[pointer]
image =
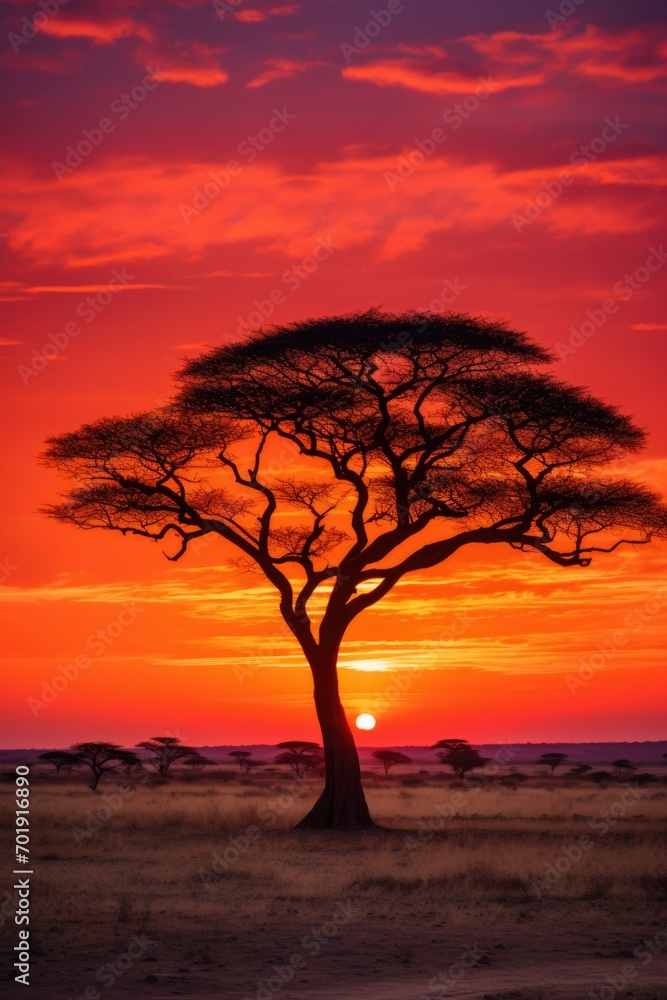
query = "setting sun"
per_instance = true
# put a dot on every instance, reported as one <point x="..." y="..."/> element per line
<point x="332" y="343"/>
<point x="365" y="721"/>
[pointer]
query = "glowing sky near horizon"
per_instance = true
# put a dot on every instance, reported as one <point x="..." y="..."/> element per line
<point x="473" y="155"/>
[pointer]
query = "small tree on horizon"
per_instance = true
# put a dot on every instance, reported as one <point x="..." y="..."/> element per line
<point x="301" y="756"/>
<point x="390" y="758"/>
<point x="198" y="763"/>
<point x="452" y="744"/>
<point x="580" y="769"/>
<point x="165" y="751"/>
<point x="410" y="437"/>
<point x="241" y="757"/>
<point x="252" y="764"/>
<point x="460" y="756"/>
<point x="623" y="766"/>
<point x="552" y="760"/>
<point x="104" y="757"/>
<point x="59" y="759"/>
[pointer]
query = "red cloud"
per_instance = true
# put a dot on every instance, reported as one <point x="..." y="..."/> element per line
<point x="194" y="63"/>
<point x="251" y="15"/>
<point x="101" y="32"/>
<point x="281" y="69"/>
<point x="408" y="73"/>
<point x="514" y="59"/>
<point x="636" y="56"/>
<point x="123" y="209"/>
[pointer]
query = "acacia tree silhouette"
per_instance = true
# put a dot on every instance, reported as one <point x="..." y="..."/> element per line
<point x="552" y="760"/>
<point x="412" y="424"/>
<point x="241" y="757"/>
<point x="460" y="756"/>
<point x="302" y="756"/>
<point x="165" y="751"/>
<point x="59" y="758"/>
<point x="103" y="757"/>
<point x="390" y="758"/>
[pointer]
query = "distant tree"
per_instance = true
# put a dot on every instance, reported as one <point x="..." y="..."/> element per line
<point x="165" y="751"/>
<point x="623" y="766"/>
<point x="453" y="744"/>
<point x="599" y="777"/>
<point x="390" y="758"/>
<point x="552" y="760"/>
<point x="414" y="435"/>
<point x="252" y="764"/>
<point x="460" y="756"/>
<point x="104" y="757"/>
<point x="580" y="769"/>
<point x="241" y="757"/>
<point x="315" y="762"/>
<point x="198" y="763"/>
<point x="59" y="758"/>
<point x="513" y="777"/>
<point x="301" y="756"/>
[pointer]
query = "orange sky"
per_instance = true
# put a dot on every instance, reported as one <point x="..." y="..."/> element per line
<point x="488" y="162"/>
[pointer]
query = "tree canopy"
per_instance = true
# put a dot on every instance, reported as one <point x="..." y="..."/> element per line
<point x="101" y="757"/>
<point x="390" y="758"/>
<point x="552" y="760"/>
<point x="336" y="455"/>
<point x="59" y="758"/>
<point x="460" y="756"/>
<point x="165" y="751"/>
<point x="410" y="421"/>
<point x="301" y="755"/>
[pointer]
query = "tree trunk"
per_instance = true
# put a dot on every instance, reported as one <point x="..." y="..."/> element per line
<point x="342" y="804"/>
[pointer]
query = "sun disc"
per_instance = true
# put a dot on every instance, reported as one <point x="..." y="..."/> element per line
<point x="365" y="721"/>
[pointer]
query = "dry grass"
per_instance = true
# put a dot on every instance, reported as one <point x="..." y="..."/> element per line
<point x="207" y="866"/>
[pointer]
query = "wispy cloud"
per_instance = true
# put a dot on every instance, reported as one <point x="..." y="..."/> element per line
<point x="282" y="69"/>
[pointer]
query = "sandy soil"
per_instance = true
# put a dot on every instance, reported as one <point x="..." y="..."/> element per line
<point x="201" y="890"/>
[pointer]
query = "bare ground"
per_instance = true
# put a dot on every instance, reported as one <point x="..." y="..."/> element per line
<point x="199" y="889"/>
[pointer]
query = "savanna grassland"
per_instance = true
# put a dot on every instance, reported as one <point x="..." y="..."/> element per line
<point x="549" y="888"/>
